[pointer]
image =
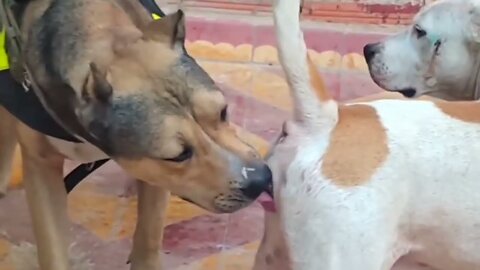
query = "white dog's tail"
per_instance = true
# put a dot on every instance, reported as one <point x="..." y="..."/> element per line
<point x="313" y="104"/>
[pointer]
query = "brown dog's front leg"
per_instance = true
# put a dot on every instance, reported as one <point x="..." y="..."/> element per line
<point x="147" y="240"/>
<point x="8" y="141"/>
<point x="47" y="198"/>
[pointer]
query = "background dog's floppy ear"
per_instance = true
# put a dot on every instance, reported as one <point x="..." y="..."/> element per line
<point x="95" y="104"/>
<point x="169" y="29"/>
<point x="474" y="23"/>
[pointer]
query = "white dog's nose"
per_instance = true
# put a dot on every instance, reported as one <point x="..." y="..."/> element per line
<point x="370" y="50"/>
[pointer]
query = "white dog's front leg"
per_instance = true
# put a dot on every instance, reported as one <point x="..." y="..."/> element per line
<point x="272" y="253"/>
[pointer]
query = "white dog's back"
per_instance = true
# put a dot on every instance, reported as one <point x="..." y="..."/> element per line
<point x="433" y="178"/>
<point x="422" y="200"/>
<point x="358" y="186"/>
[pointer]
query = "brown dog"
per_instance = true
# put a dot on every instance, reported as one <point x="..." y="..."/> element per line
<point x="125" y="85"/>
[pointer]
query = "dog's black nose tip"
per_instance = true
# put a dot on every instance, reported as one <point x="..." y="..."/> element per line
<point x="369" y="51"/>
<point x="259" y="180"/>
<point x="408" y="93"/>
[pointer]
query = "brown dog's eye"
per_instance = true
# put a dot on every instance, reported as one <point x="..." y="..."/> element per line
<point x="186" y="154"/>
<point x="419" y="32"/>
<point x="223" y="114"/>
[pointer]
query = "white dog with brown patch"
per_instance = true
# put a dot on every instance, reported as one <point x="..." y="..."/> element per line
<point x="378" y="185"/>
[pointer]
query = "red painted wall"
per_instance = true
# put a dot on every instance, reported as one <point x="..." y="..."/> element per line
<point x="344" y="11"/>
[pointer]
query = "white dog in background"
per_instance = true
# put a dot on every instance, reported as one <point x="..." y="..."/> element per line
<point x="438" y="55"/>
<point x="379" y="185"/>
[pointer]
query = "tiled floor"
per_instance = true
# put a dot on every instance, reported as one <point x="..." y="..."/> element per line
<point x="239" y="56"/>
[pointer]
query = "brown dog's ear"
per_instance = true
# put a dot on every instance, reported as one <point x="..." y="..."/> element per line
<point x="169" y="29"/>
<point x="124" y="37"/>
<point x="95" y="104"/>
<point x="96" y="86"/>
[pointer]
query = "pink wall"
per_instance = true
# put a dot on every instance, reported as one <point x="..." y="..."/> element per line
<point x="344" y="11"/>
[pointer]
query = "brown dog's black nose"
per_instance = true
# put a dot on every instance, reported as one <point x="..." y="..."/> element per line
<point x="258" y="178"/>
<point x="369" y="51"/>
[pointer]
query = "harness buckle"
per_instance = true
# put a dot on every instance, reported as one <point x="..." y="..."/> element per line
<point x="26" y="83"/>
<point x="90" y="166"/>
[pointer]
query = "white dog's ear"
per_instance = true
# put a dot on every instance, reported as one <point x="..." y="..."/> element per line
<point x="474" y="23"/>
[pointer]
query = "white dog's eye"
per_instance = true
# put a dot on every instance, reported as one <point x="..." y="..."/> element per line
<point x="284" y="133"/>
<point x="419" y="32"/>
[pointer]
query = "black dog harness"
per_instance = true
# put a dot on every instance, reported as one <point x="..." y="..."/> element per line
<point x="22" y="102"/>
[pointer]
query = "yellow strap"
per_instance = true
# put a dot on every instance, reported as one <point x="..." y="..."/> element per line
<point x="155" y="16"/>
<point x="3" y="53"/>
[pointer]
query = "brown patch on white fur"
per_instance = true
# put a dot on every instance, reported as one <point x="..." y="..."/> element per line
<point x="358" y="146"/>
<point x="466" y="111"/>
<point x="316" y="81"/>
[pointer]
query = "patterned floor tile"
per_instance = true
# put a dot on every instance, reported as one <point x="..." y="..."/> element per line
<point x="270" y="86"/>
<point x="269" y="124"/>
<point x="239" y="258"/>
<point x="178" y="210"/>
<point x="4" y="248"/>
<point x="96" y="212"/>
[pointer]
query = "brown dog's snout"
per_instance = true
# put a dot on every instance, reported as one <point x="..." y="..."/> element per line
<point x="370" y="50"/>
<point x="258" y="178"/>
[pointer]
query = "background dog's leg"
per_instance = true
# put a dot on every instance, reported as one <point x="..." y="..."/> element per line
<point x="152" y="204"/>
<point x="8" y="141"/>
<point x="47" y="198"/>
